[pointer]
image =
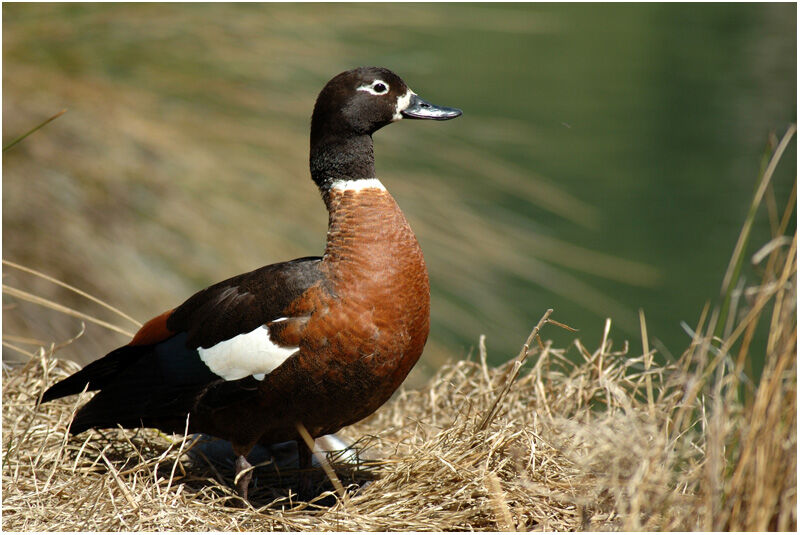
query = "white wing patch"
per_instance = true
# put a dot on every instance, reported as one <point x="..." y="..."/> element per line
<point x="252" y="353"/>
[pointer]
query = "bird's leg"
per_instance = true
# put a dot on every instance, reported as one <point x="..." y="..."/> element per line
<point x="305" y="488"/>
<point x="243" y="479"/>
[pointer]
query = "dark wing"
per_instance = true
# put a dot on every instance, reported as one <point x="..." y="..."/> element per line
<point x="156" y="379"/>
<point x="242" y="303"/>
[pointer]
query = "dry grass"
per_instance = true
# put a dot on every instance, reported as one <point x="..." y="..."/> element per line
<point x="613" y="442"/>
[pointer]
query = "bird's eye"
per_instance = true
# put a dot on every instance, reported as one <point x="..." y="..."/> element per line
<point x="377" y="87"/>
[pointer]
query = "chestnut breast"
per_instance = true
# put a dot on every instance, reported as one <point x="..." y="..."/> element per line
<point x="368" y="322"/>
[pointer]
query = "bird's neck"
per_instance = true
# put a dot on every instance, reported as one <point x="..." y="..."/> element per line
<point x="337" y="157"/>
<point x="354" y="204"/>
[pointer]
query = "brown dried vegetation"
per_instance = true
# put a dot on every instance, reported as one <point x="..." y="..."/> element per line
<point x="614" y="441"/>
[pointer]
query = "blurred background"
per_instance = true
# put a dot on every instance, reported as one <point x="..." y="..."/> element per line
<point x="605" y="161"/>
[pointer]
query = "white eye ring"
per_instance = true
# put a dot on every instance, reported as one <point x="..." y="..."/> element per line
<point x="378" y="87"/>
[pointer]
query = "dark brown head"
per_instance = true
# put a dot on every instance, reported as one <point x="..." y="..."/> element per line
<point x="349" y="109"/>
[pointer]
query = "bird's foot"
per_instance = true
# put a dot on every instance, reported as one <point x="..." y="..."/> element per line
<point x="244" y="474"/>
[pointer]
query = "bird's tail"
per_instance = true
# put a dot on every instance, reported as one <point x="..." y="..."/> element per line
<point x="95" y="375"/>
<point x="139" y="385"/>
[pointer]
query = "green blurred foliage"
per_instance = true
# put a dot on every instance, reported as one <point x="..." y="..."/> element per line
<point x="604" y="162"/>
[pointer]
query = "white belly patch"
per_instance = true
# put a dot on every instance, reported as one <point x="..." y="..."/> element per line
<point x="251" y="353"/>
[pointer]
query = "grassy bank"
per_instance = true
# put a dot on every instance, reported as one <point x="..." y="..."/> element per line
<point x="566" y="438"/>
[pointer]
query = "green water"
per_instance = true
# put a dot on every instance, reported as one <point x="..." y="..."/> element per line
<point x="655" y="115"/>
<point x="617" y="145"/>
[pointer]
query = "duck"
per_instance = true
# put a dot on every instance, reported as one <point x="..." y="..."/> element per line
<point x="316" y="343"/>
